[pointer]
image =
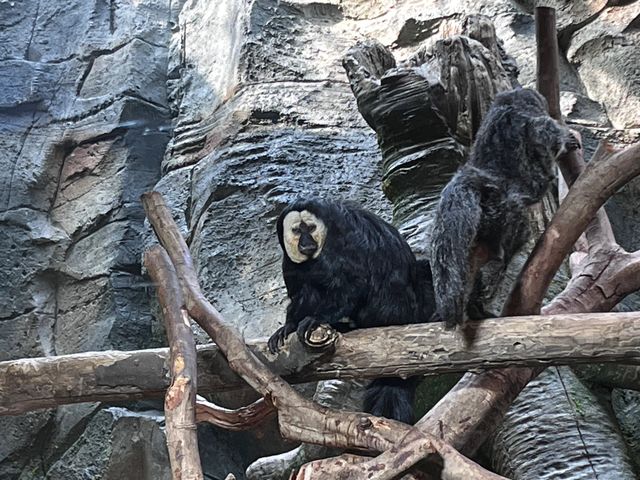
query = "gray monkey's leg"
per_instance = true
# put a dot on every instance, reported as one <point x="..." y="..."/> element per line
<point x="339" y="394"/>
<point x="486" y="299"/>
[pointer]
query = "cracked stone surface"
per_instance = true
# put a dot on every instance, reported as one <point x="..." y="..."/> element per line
<point x="230" y="109"/>
<point x="84" y="124"/>
<point x="605" y="53"/>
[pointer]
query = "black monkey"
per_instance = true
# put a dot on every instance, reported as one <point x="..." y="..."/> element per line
<point x="482" y="215"/>
<point x="342" y="261"/>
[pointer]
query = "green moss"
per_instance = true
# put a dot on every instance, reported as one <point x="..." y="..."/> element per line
<point x="432" y="389"/>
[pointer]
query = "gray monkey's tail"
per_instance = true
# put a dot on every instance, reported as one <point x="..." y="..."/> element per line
<point x="454" y="231"/>
<point x="391" y="398"/>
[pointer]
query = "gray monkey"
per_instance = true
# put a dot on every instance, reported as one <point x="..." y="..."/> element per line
<point x="482" y="214"/>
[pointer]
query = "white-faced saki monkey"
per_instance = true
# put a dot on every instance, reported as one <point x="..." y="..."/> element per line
<point x="341" y="262"/>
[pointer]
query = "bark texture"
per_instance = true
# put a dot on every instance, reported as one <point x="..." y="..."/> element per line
<point x="180" y="397"/>
<point x="29" y="384"/>
<point x="583" y="420"/>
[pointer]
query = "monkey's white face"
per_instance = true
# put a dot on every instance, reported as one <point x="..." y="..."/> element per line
<point x="304" y="235"/>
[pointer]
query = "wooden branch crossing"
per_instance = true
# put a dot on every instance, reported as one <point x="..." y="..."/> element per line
<point x="534" y="341"/>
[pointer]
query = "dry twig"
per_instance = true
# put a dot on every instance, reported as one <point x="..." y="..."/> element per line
<point x="243" y="418"/>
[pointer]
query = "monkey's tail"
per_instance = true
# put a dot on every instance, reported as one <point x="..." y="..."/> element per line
<point x="391" y="398"/>
<point x="454" y="231"/>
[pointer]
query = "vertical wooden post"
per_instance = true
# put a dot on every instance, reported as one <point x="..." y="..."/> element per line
<point x="547" y="54"/>
<point x="180" y="399"/>
<point x="548" y="83"/>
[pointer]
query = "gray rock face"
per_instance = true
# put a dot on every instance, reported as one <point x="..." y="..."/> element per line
<point x="287" y="127"/>
<point x="115" y="445"/>
<point x="607" y="55"/>
<point x="84" y="126"/>
<point x="83" y="134"/>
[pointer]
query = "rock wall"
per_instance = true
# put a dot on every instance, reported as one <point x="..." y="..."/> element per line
<point x="84" y="123"/>
<point x="231" y="109"/>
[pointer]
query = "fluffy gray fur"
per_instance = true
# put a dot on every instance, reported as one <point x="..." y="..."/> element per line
<point x="510" y="168"/>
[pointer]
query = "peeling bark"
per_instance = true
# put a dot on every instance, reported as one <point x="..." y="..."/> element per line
<point x="180" y="398"/>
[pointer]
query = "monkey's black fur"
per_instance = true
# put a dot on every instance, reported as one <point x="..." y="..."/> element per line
<point x="485" y="203"/>
<point x="366" y="272"/>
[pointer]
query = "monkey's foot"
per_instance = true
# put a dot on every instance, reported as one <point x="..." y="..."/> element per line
<point x="305" y="326"/>
<point x="450" y="321"/>
<point x="277" y="339"/>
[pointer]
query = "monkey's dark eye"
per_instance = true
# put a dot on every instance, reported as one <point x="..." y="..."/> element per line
<point x="296" y="230"/>
<point x="311" y="228"/>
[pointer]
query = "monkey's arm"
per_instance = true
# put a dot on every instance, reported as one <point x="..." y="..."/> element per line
<point x="454" y="232"/>
<point x="310" y="308"/>
<point x="277" y="339"/>
<point x="330" y="314"/>
<point x="551" y="134"/>
<point x="304" y="302"/>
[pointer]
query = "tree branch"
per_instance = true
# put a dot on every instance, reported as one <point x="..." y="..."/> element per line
<point x="180" y="399"/>
<point x="243" y="418"/>
<point x="32" y="383"/>
<point x="392" y="463"/>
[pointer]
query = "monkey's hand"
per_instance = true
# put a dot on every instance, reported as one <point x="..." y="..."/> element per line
<point x="277" y="339"/>
<point x="306" y="326"/>
<point x="572" y="141"/>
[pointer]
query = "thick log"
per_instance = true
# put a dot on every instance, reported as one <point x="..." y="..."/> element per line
<point x="32" y="383"/>
<point x="114" y="376"/>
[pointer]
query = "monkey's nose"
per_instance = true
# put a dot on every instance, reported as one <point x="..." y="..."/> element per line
<point x="307" y="249"/>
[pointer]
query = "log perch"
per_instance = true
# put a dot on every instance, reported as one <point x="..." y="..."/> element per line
<point x="534" y="341"/>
